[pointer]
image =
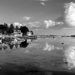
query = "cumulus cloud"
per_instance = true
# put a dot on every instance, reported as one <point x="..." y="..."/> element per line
<point x="70" y="13"/>
<point x="50" y="23"/>
<point x="27" y="18"/>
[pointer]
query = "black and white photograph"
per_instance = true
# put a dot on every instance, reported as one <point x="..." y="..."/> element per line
<point x="37" y="37"/>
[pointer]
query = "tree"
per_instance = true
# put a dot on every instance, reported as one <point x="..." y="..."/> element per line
<point x="6" y="28"/>
<point x="24" y="30"/>
<point x="10" y="29"/>
<point x="17" y="28"/>
<point x="2" y="28"/>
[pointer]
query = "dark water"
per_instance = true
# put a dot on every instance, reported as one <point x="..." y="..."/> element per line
<point x="52" y="56"/>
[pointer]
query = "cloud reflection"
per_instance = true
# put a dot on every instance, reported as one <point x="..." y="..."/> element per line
<point x="48" y="47"/>
<point x="70" y="57"/>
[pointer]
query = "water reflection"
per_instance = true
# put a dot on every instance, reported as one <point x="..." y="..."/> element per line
<point x="24" y="44"/>
<point x="48" y="47"/>
<point x="48" y="53"/>
<point x="3" y="46"/>
<point x="7" y="43"/>
<point x="11" y="45"/>
<point x="70" y="57"/>
<point x="29" y="69"/>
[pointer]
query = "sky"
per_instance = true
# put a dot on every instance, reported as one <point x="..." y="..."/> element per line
<point x="17" y="10"/>
<point x="24" y="11"/>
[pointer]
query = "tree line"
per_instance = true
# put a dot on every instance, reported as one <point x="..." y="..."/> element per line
<point x="6" y="29"/>
<point x="9" y="29"/>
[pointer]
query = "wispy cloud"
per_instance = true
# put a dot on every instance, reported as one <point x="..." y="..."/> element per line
<point x="26" y="18"/>
<point x="42" y="1"/>
<point x="43" y="24"/>
<point x="33" y="24"/>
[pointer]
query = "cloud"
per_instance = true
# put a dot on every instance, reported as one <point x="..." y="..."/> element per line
<point x="17" y="24"/>
<point x="42" y="1"/>
<point x="70" y="13"/>
<point x="50" y="23"/>
<point x="60" y="19"/>
<point x="43" y="24"/>
<point x="33" y="24"/>
<point x="27" y="18"/>
<point x="59" y="23"/>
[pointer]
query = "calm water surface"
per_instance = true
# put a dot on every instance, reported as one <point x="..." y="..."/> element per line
<point x="52" y="54"/>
